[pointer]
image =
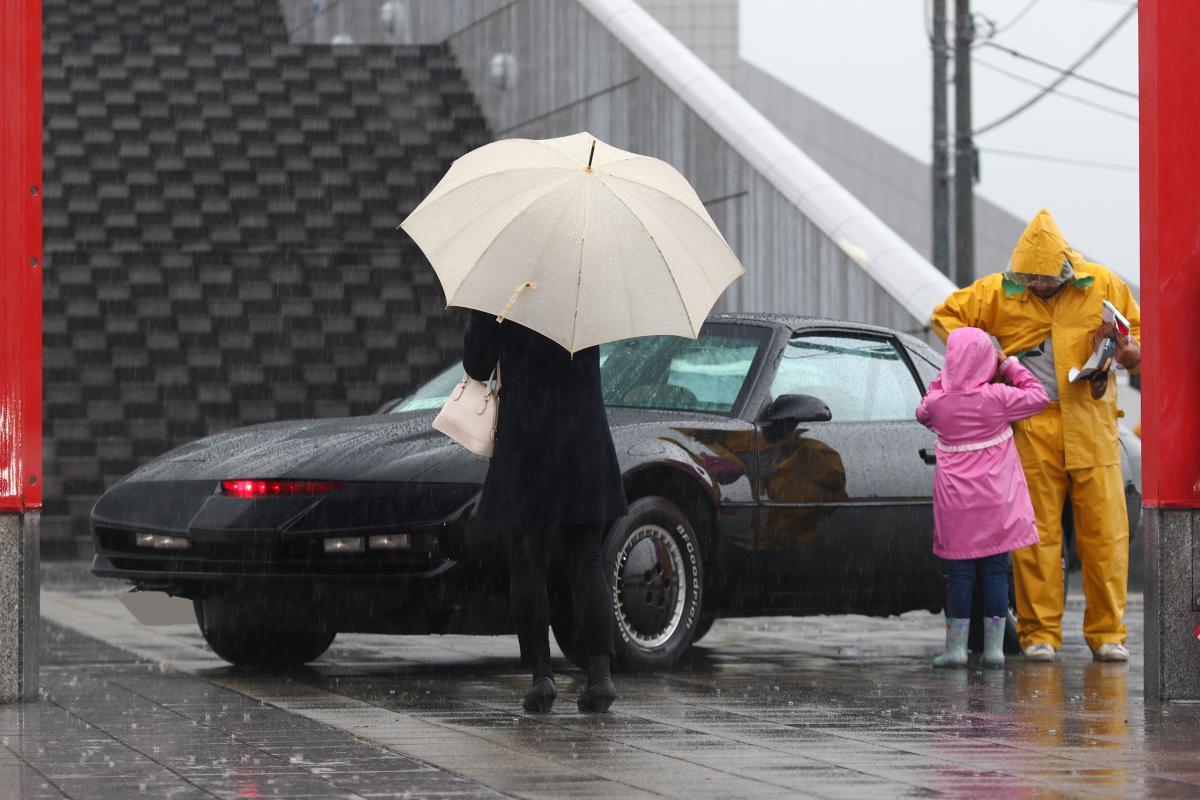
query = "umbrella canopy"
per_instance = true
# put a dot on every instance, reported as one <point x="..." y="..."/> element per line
<point x="575" y="239"/>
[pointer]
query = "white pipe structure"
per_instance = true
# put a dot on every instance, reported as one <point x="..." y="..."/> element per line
<point x="890" y="261"/>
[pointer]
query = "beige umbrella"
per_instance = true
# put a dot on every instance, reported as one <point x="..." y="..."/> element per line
<point x="575" y="239"/>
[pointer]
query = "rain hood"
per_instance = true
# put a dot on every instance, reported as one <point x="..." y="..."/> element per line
<point x="1042" y="248"/>
<point x="970" y="360"/>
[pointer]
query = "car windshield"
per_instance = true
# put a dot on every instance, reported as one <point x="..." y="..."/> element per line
<point x="432" y="395"/>
<point x="670" y="372"/>
<point x="654" y="372"/>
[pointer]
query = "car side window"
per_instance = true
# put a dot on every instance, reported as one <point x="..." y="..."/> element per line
<point x="860" y="378"/>
<point x="925" y="369"/>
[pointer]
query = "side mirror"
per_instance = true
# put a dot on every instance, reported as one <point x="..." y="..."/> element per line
<point x="789" y="410"/>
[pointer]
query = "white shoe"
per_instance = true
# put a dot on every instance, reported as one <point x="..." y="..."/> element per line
<point x="1111" y="652"/>
<point x="1039" y="652"/>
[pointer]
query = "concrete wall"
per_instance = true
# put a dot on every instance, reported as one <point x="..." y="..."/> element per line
<point x="891" y="183"/>
<point x="19" y="615"/>
<point x="1172" y="609"/>
<point x="709" y="28"/>
<point x="383" y="21"/>
<point x="572" y="74"/>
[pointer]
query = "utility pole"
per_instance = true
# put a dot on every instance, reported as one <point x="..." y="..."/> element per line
<point x="941" y="143"/>
<point x="964" y="148"/>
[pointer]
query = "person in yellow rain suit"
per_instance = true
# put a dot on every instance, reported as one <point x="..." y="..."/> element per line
<point x="1046" y="311"/>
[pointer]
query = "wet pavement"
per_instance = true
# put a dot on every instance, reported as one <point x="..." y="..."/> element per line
<point x="822" y="707"/>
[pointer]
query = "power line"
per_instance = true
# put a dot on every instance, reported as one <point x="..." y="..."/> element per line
<point x="1091" y="51"/>
<point x="999" y="29"/>
<point x="1059" y="159"/>
<point x="1060" y="70"/>
<point x="1059" y="92"/>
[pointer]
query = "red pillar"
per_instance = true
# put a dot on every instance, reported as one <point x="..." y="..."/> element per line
<point x="20" y="255"/>
<point x="1170" y="228"/>
<point x="1170" y="220"/>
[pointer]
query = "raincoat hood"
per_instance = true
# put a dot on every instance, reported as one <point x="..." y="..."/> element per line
<point x="970" y="360"/>
<point x="1042" y="248"/>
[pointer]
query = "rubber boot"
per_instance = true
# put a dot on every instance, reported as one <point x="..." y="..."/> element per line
<point x="993" y="642"/>
<point x="956" y="644"/>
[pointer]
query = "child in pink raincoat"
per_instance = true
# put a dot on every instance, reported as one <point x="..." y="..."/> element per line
<point x="981" y="506"/>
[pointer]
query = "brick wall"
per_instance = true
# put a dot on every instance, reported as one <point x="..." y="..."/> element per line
<point x="220" y="230"/>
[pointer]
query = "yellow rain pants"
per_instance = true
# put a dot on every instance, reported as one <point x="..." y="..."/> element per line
<point x="1101" y="539"/>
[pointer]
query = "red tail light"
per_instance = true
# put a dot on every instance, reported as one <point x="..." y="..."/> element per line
<point x="251" y="488"/>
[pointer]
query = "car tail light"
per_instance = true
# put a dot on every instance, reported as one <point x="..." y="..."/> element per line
<point x="253" y="487"/>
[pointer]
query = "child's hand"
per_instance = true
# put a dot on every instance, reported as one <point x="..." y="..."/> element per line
<point x="998" y="376"/>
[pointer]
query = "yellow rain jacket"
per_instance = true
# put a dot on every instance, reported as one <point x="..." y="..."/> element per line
<point x="1021" y="321"/>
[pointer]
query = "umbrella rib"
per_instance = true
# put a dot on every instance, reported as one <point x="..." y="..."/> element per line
<point x="712" y="225"/>
<point x="558" y="152"/>
<point x="667" y="195"/>
<point x="579" y="272"/>
<point x="500" y="233"/>
<point x="425" y="205"/>
<point x="666" y="264"/>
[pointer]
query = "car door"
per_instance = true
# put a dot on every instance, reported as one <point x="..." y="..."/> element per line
<point x="845" y="506"/>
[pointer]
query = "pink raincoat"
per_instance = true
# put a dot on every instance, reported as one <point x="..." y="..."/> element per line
<point x="980" y="500"/>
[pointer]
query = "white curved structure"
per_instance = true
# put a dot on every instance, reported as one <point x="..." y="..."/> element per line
<point x="608" y="67"/>
<point x="893" y="263"/>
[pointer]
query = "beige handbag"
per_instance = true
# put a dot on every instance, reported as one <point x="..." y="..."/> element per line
<point x="470" y="413"/>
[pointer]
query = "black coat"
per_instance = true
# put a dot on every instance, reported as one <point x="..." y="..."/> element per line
<point x="554" y="461"/>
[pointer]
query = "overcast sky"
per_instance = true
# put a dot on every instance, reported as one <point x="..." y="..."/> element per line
<point x="869" y="60"/>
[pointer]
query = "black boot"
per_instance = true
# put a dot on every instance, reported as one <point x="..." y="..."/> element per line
<point x="598" y="696"/>
<point x="600" y="692"/>
<point x="540" y="697"/>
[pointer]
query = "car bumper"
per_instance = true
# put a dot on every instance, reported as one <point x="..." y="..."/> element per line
<point x="258" y="556"/>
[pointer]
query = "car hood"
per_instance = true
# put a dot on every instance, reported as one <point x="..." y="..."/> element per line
<point x="377" y="447"/>
<point x="383" y="447"/>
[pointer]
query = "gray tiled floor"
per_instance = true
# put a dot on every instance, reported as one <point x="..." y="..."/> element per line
<point x="117" y="725"/>
<point x="828" y="707"/>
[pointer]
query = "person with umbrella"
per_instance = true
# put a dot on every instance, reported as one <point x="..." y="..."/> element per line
<point x="578" y="244"/>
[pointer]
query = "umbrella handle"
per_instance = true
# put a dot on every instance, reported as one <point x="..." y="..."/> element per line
<point x="513" y="299"/>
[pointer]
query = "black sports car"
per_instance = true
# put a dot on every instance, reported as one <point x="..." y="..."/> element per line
<point x="773" y="466"/>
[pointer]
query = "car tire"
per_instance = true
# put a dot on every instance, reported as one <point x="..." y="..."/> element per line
<point x="655" y="567"/>
<point x="703" y="626"/>
<point x="256" y="646"/>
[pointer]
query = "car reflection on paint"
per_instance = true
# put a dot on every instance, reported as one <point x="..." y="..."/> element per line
<point x="773" y="466"/>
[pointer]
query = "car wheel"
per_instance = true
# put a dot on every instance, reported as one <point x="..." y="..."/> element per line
<point x="702" y="627"/>
<point x="248" y="645"/>
<point x="653" y="558"/>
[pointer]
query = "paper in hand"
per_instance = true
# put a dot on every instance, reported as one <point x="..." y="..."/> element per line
<point x="1102" y="358"/>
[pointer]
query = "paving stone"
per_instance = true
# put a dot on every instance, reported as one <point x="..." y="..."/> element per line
<point x="761" y="708"/>
<point x="112" y="724"/>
